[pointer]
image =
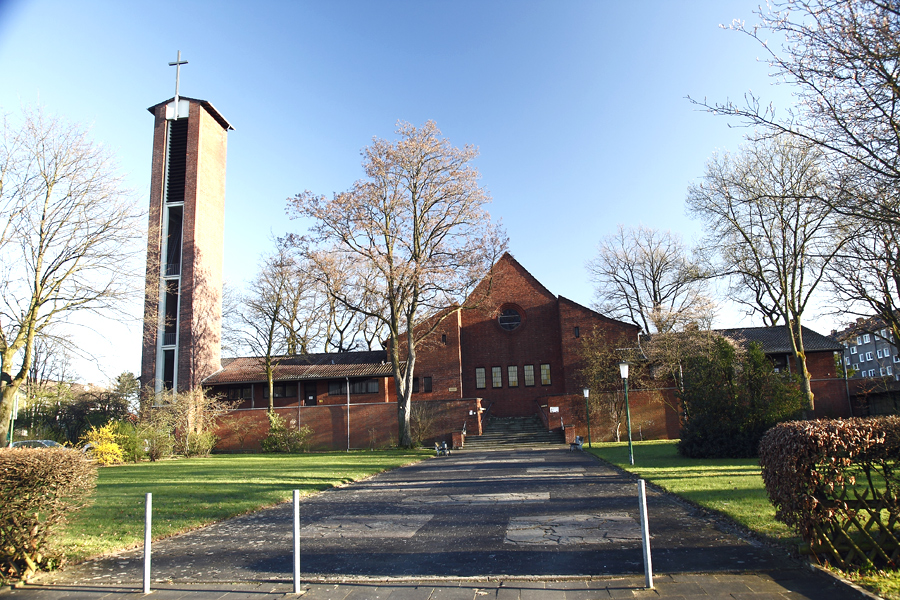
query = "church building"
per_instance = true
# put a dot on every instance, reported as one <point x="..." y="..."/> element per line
<point x="514" y="355"/>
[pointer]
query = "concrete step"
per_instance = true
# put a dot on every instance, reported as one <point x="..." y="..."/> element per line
<point x="508" y="432"/>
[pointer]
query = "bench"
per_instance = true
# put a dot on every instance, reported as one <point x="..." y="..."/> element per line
<point x="576" y="445"/>
<point x="441" y="449"/>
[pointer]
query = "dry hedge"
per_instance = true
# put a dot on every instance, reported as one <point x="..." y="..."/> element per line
<point x="836" y="482"/>
<point x="39" y="487"/>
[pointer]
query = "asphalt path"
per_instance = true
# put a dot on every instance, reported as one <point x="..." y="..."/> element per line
<point x="536" y="515"/>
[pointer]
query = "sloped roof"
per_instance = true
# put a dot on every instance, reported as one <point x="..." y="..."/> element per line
<point x="304" y="367"/>
<point x="775" y="340"/>
<point x="205" y="104"/>
<point x="861" y="325"/>
<point x="602" y="316"/>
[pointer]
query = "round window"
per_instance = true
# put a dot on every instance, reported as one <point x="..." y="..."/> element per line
<point x="509" y="319"/>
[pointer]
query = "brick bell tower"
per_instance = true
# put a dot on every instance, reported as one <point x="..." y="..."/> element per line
<point x="183" y="297"/>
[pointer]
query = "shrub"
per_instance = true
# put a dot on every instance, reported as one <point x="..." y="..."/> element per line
<point x="38" y="489"/>
<point x="157" y="438"/>
<point x="423" y="422"/>
<point x="192" y="417"/>
<point x="104" y="447"/>
<point x="129" y="439"/>
<point x="199" y="444"/>
<point x="730" y="399"/>
<point x="284" y="438"/>
<point x="837" y="483"/>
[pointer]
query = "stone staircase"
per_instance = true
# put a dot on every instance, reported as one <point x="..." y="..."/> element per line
<point x="507" y="433"/>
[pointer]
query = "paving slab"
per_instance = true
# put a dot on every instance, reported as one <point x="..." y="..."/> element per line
<point x="502" y="524"/>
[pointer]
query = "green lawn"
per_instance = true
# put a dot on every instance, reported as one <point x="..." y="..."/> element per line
<point x="189" y="493"/>
<point x="731" y="486"/>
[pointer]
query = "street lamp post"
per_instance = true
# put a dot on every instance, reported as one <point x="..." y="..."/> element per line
<point x="587" y="412"/>
<point x="623" y="369"/>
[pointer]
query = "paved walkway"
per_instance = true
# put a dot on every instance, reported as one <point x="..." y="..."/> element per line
<point x="543" y="524"/>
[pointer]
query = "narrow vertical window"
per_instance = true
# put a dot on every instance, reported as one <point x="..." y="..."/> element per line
<point x="545" y="374"/>
<point x="577" y="331"/>
<point x="168" y="369"/>
<point x="496" y="377"/>
<point x="170" y="313"/>
<point x="529" y="375"/>
<point x="173" y="241"/>
<point x="444" y="338"/>
<point x="512" y="375"/>
<point x="415" y="385"/>
<point x="426" y="385"/>
<point x="479" y="378"/>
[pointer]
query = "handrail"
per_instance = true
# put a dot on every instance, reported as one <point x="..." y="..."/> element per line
<point x="544" y="418"/>
<point x="464" y="427"/>
<point x="484" y="415"/>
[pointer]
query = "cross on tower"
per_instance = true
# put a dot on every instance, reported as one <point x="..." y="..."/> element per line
<point x="177" y="64"/>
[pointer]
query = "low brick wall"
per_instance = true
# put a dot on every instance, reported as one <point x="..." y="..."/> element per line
<point x="371" y="425"/>
<point x="653" y="416"/>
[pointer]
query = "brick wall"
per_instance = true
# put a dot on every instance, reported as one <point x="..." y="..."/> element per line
<point x="202" y="247"/>
<point x="654" y="416"/>
<point x="829" y="391"/>
<point x="536" y="341"/>
<point x="588" y="323"/>
<point x="439" y="356"/>
<point x="154" y="241"/>
<point x="371" y="425"/>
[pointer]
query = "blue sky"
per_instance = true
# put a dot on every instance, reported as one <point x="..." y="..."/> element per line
<point x="578" y="108"/>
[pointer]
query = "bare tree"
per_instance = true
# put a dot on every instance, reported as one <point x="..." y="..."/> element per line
<point x="263" y="313"/>
<point x="232" y="324"/>
<point x="841" y="57"/>
<point x="865" y="275"/>
<point x="644" y="275"/>
<point x="413" y="237"/>
<point x="67" y="232"/>
<point x="772" y="232"/>
<point x="303" y="318"/>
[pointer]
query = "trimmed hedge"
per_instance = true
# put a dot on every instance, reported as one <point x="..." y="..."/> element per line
<point x="836" y="482"/>
<point x="39" y="487"/>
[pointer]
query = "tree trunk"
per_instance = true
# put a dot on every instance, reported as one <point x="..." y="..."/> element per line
<point x="7" y="399"/>
<point x="796" y="336"/>
<point x="270" y="379"/>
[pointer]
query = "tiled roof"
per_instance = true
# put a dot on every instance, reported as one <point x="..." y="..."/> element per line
<point x="306" y="366"/>
<point x="775" y="340"/>
<point x="862" y="325"/>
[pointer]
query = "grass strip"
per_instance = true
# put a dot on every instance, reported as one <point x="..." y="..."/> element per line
<point x="189" y="493"/>
<point x="731" y="486"/>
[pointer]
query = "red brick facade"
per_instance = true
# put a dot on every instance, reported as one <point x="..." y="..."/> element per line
<point x="202" y="243"/>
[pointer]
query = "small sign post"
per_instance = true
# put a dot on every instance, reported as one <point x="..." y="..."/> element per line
<point x="148" y="521"/>
<point x="645" y="535"/>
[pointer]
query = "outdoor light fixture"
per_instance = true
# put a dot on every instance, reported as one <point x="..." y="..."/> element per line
<point x="623" y="369"/>
<point x="587" y="413"/>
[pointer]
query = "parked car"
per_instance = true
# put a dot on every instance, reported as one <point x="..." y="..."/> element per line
<point x="37" y="444"/>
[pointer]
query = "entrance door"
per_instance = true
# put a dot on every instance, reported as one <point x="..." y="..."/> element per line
<point x="309" y="393"/>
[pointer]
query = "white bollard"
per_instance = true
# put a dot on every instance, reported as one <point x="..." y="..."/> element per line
<point x="296" y="541"/>
<point x="645" y="535"/>
<point x="148" y="521"/>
